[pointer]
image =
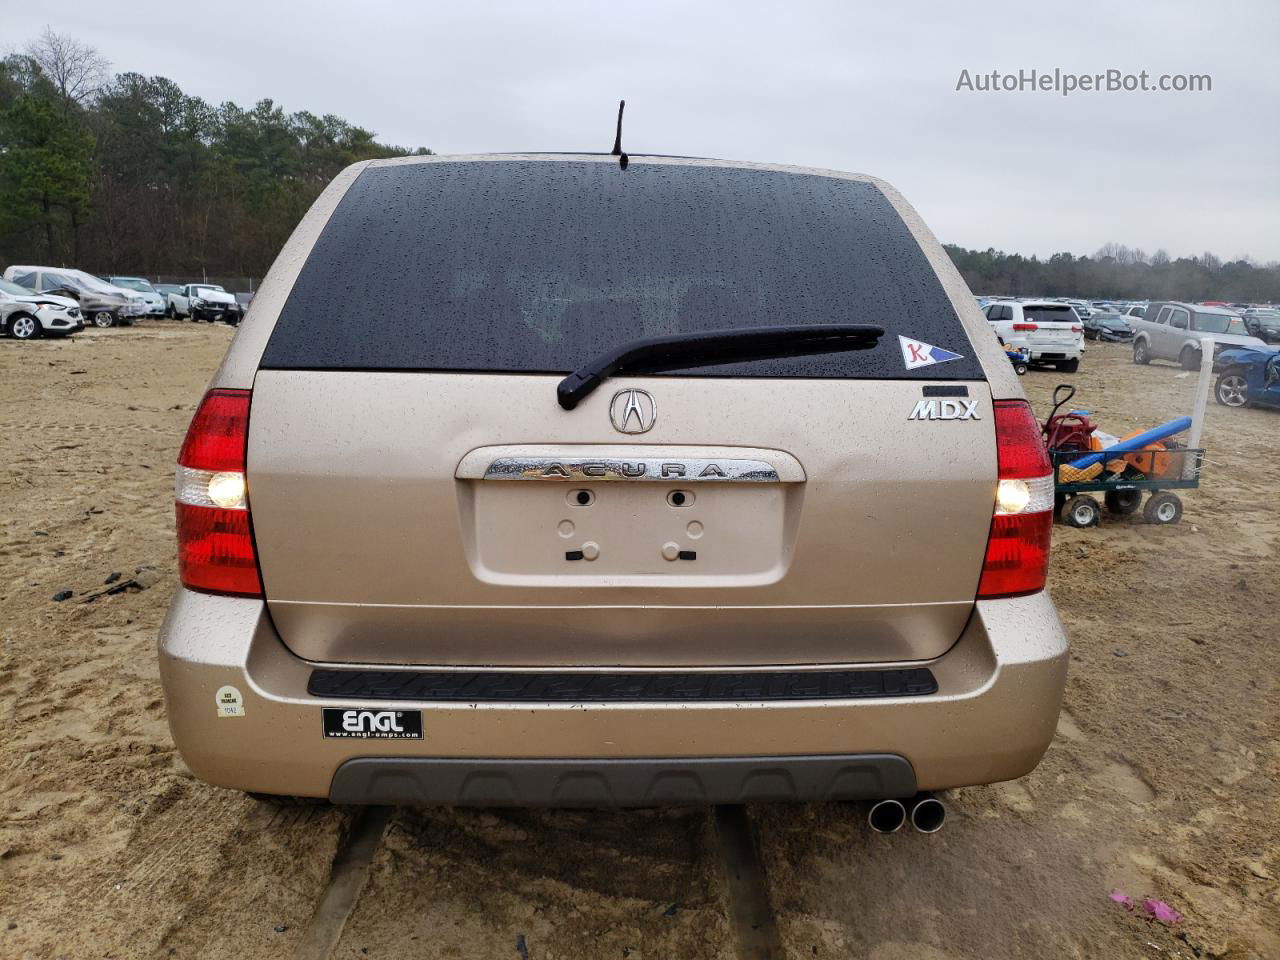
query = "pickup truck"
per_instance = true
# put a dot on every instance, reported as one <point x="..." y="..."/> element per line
<point x="204" y="301"/>
<point x="1051" y="332"/>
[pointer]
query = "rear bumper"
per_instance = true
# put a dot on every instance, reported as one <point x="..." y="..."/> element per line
<point x="1055" y="352"/>
<point x="993" y="716"/>
<point x="1045" y="351"/>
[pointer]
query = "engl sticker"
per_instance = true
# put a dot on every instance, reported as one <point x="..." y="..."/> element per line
<point x="372" y="724"/>
<point x="916" y="353"/>
<point x="229" y="701"/>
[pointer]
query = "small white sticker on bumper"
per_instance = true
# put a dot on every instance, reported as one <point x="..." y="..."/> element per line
<point x="230" y="702"/>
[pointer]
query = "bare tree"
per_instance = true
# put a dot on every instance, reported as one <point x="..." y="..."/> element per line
<point x="76" y="69"/>
<point x="1160" y="258"/>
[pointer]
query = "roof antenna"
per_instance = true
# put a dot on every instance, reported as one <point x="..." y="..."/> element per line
<point x="617" y="140"/>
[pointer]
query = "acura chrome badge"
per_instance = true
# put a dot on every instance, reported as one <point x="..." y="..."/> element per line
<point x="633" y="411"/>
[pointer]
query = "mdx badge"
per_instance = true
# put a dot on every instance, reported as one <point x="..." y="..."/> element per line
<point x="633" y="411"/>
<point x="945" y="410"/>
<point x="373" y="724"/>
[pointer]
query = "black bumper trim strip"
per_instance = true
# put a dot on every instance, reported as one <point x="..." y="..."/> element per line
<point x="490" y="686"/>
<point x="641" y="782"/>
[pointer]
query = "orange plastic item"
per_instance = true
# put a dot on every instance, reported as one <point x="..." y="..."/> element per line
<point x="1154" y="460"/>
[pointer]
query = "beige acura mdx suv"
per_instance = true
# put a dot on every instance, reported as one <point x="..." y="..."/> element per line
<point x="553" y="480"/>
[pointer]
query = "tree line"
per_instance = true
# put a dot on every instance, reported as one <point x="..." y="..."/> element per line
<point x="129" y="174"/>
<point x="1119" y="272"/>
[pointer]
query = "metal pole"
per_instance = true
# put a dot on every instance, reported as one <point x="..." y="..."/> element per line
<point x="1207" y="347"/>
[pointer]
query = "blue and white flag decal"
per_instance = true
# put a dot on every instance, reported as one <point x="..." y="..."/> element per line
<point x="916" y="353"/>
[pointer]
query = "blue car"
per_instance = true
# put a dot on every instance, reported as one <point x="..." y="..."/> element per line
<point x="1248" y="376"/>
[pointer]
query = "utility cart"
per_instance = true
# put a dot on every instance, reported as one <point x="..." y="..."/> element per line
<point x="1146" y="463"/>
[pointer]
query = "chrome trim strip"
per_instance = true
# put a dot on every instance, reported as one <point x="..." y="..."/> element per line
<point x="668" y="470"/>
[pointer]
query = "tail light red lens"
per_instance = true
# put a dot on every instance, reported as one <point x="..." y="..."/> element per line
<point x="218" y="433"/>
<point x="1026" y="326"/>
<point x="1017" y="560"/>
<point x="215" y="541"/>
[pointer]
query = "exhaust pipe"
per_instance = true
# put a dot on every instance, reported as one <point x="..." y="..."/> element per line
<point x="887" y="816"/>
<point x="927" y="813"/>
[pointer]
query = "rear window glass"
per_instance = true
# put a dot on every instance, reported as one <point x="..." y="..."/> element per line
<point x="1050" y="314"/>
<point x="1213" y="323"/>
<point x="538" y="266"/>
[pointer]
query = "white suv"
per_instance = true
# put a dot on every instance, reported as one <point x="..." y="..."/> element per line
<point x="1051" y="331"/>
<point x="26" y="316"/>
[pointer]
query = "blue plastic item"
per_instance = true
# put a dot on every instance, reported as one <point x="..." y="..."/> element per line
<point x="1134" y="444"/>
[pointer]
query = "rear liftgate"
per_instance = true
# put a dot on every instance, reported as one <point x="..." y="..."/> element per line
<point x="627" y="516"/>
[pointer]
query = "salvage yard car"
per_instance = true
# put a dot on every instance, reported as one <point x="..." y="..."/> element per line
<point x="151" y="297"/>
<point x="1248" y="377"/>
<point x="100" y="303"/>
<point x="27" y="316"/>
<point x="678" y="481"/>
<point x="1111" y="327"/>
<point x="1052" y="332"/>
<point x="1263" y="323"/>
<point x="166" y="290"/>
<point x="204" y="301"/>
<point x="1174" y="331"/>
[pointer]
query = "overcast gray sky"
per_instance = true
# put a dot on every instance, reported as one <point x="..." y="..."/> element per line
<point x="861" y="86"/>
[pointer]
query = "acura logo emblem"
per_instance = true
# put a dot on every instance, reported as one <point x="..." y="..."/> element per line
<point x="633" y="411"/>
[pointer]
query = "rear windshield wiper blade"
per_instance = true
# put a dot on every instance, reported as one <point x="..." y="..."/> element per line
<point x="713" y="347"/>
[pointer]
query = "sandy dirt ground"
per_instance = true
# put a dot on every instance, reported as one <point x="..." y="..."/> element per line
<point x="1162" y="781"/>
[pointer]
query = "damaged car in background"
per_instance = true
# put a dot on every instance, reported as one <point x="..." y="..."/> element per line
<point x="28" y="316"/>
<point x="204" y="301"/>
<point x="1108" y="327"/>
<point x="101" y="303"/>
<point x="153" y="299"/>
<point x="1248" y="377"/>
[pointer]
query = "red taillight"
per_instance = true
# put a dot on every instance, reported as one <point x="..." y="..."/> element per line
<point x="218" y="433"/>
<point x="1025" y="326"/>
<point x="215" y="543"/>
<point x="215" y="551"/>
<point x="1017" y="560"/>
<point x="1076" y="329"/>
<point x="1020" y="451"/>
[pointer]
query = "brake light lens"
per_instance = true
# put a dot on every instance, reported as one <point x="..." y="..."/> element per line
<point x="215" y="542"/>
<point x="1077" y="329"/>
<point x="1026" y="326"/>
<point x="1017" y="559"/>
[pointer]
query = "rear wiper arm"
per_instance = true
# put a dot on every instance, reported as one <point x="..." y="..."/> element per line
<point x="712" y="347"/>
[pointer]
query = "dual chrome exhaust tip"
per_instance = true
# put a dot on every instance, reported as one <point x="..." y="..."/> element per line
<point x="925" y="812"/>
